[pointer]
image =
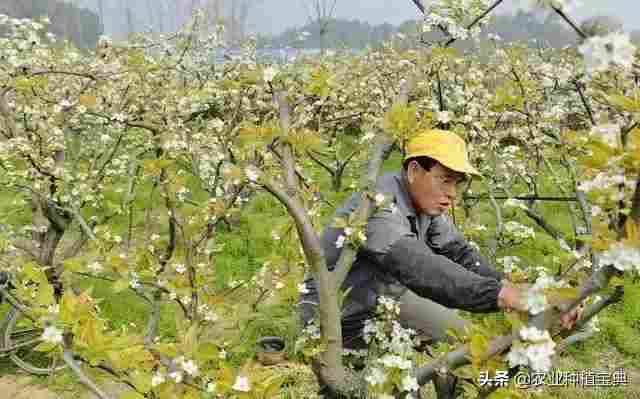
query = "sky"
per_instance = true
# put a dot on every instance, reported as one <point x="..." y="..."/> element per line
<point x="274" y="16"/>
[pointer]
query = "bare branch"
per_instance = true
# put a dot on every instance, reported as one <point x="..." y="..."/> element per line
<point x="570" y="22"/>
<point x="419" y="4"/>
<point x="84" y="379"/>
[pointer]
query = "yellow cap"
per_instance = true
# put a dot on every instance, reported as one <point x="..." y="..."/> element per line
<point x="445" y="147"/>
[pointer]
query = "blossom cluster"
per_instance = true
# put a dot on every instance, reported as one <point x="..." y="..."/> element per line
<point x="602" y="52"/>
<point x="451" y="17"/>
<point x="535" y="350"/>
<point x="518" y="230"/>
<point x="536" y="300"/>
<point x="622" y="256"/>
<point x="395" y="345"/>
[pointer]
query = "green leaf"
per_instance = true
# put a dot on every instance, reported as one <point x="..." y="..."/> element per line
<point x="401" y="121"/>
<point x="320" y="83"/>
<point x="624" y="103"/>
<point x="120" y="285"/>
<point x="131" y="395"/>
<point x="508" y="96"/>
<point x="556" y="295"/>
<point x="207" y="351"/>
<point x="45" y="347"/>
<point x="616" y="281"/>
<point x="478" y="347"/>
<point x="45" y="295"/>
<point x="469" y="390"/>
<point x="466" y="372"/>
<point x="273" y="387"/>
<point x="34" y="273"/>
<point x="142" y="381"/>
<point x="73" y="265"/>
<point x="514" y="319"/>
<point x="339" y="223"/>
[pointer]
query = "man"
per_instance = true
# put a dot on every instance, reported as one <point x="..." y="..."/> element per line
<point x="413" y="253"/>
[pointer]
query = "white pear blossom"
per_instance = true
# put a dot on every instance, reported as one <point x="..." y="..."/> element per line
<point x="361" y="236"/>
<point x="510" y="263"/>
<point x="393" y="208"/>
<point x="180" y="268"/>
<point x="622" y="257"/>
<point x="533" y="334"/>
<point x="600" y="52"/>
<point x="269" y="74"/>
<point x="545" y="281"/>
<point x="444" y="116"/>
<point x="252" y="174"/>
<point x="367" y="137"/>
<point x="340" y="241"/>
<point x="602" y="180"/>
<point x="176" y="376"/>
<point x="536" y="354"/>
<point x="241" y="384"/>
<point x="379" y="199"/>
<point x="517" y="356"/>
<point x="519" y="230"/>
<point x="410" y="383"/>
<point x="217" y="124"/>
<point x="190" y="367"/>
<point x="52" y="335"/>
<point x="157" y="379"/>
<point x="211" y="387"/>
<point x="608" y="132"/>
<point x="593" y="324"/>
<point x="302" y="288"/>
<point x="536" y="302"/>
<point x="376" y="376"/>
<point x="119" y="117"/>
<point x="95" y="267"/>
<point x="515" y="203"/>
<point x="395" y="361"/>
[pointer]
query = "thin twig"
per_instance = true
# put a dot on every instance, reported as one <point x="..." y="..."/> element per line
<point x="570" y="22"/>
<point x="585" y="102"/>
<point x="476" y="20"/>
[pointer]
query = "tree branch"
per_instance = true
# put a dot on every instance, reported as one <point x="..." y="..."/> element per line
<point x="570" y="22"/>
<point x="86" y="381"/>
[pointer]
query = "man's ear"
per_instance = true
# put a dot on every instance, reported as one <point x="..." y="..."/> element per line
<point x="411" y="171"/>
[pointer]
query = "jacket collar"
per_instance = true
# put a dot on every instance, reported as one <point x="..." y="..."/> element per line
<point x="402" y="198"/>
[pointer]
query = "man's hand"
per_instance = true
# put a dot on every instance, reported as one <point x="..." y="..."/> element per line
<point x="513" y="297"/>
<point x="569" y="319"/>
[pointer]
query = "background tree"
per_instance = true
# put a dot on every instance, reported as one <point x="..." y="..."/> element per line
<point x="68" y="21"/>
<point x="600" y="25"/>
<point x="320" y="14"/>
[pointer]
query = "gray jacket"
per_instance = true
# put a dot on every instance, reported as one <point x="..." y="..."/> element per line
<point x="427" y="255"/>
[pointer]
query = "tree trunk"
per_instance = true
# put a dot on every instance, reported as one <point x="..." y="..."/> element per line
<point x="336" y="180"/>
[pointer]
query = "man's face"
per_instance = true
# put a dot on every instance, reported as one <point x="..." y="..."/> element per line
<point x="432" y="192"/>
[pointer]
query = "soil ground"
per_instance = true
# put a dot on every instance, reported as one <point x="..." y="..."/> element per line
<point x="21" y="387"/>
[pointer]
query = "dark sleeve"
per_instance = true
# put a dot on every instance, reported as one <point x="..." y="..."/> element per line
<point x="438" y="278"/>
<point x="446" y="240"/>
